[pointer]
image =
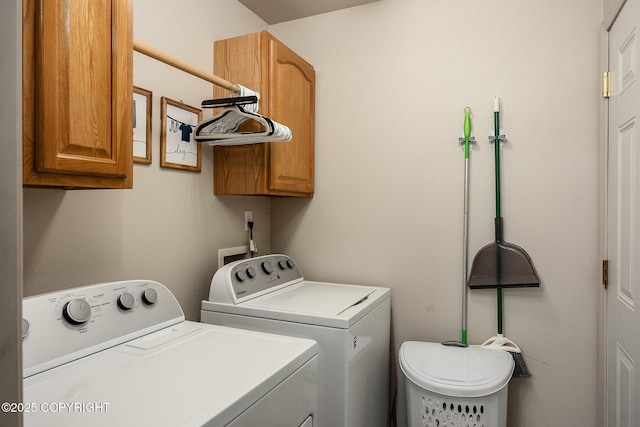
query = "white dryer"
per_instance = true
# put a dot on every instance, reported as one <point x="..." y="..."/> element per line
<point x="122" y="354"/>
<point x="350" y="323"/>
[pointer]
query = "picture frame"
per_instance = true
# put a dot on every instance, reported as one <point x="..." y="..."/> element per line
<point x="142" y="107"/>
<point x="178" y="148"/>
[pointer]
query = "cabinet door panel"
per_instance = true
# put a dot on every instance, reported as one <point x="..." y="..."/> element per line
<point x="293" y="103"/>
<point x="88" y="78"/>
<point x="74" y="88"/>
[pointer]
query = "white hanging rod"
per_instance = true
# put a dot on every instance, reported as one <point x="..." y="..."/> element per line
<point x="181" y="65"/>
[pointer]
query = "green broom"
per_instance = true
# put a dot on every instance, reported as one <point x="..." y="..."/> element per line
<point x="502" y="265"/>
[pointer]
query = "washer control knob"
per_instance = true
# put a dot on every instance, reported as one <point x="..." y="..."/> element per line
<point x="77" y="311"/>
<point x="240" y="276"/>
<point x="290" y="263"/>
<point x="251" y="272"/>
<point x="283" y="265"/>
<point x="126" y="301"/>
<point x="149" y="296"/>
<point x="267" y="267"/>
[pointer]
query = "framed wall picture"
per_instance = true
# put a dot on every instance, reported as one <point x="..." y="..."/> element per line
<point x="142" y="101"/>
<point x="178" y="148"/>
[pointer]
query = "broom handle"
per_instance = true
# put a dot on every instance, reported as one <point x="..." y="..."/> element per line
<point x="499" y="296"/>
<point x="496" y="147"/>
<point x="498" y="231"/>
<point x="465" y="230"/>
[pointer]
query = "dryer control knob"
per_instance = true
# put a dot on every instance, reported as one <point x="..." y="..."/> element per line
<point x="290" y="263"/>
<point x="126" y="301"/>
<point x="26" y="328"/>
<point x="267" y="267"/>
<point x="283" y="265"/>
<point x="240" y="276"/>
<point x="149" y="296"/>
<point x="77" y="311"/>
<point x="251" y="272"/>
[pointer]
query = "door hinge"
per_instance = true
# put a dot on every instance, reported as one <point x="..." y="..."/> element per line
<point x="606" y="84"/>
<point x="605" y="273"/>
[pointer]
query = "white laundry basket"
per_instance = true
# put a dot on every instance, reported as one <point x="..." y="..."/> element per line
<point x="455" y="386"/>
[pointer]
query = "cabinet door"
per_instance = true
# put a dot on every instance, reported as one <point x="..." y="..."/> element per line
<point x="291" y="102"/>
<point x="78" y="93"/>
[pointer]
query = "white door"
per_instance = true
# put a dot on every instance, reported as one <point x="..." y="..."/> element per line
<point x="623" y="299"/>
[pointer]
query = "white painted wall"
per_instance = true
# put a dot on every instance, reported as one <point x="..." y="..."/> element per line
<point x="170" y="226"/>
<point x="393" y="78"/>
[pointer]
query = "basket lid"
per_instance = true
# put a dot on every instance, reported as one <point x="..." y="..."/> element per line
<point x="456" y="371"/>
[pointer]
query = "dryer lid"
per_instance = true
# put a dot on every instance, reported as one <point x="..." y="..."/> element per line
<point x="324" y="299"/>
<point x="455" y="371"/>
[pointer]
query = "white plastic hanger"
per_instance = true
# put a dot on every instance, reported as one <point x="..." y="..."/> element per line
<point x="222" y="129"/>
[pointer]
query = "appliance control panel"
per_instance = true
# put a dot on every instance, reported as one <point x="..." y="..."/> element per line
<point x="61" y="326"/>
<point x="245" y="279"/>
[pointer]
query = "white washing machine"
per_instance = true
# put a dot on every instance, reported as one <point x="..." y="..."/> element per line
<point x="121" y="354"/>
<point x="350" y="323"/>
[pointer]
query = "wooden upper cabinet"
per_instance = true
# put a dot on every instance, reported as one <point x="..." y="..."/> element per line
<point x="286" y="83"/>
<point x="78" y="93"/>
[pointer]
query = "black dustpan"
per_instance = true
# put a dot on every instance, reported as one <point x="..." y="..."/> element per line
<point x="502" y="265"/>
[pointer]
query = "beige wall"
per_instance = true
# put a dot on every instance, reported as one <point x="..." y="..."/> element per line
<point x="170" y="226"/>
<point x="393" y="79"/>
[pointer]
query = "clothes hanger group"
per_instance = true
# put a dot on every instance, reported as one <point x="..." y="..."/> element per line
<point x="225" y="127"/>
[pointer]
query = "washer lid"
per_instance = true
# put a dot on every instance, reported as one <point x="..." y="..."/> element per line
<point x="324" y="299"/>
<point x="455" y="371"/>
